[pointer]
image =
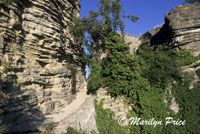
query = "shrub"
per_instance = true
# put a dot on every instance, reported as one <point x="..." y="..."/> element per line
<point x="185" y="57"/>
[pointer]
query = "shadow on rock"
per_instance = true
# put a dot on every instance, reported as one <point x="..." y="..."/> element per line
<point x="20" y="112"/>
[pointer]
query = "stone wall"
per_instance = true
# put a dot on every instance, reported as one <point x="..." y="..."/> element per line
<point x="45" y="71"/>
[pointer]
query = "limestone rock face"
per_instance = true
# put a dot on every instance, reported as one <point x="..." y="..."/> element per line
<point x="180" y="30"/>
<point x="184" y="23"/>
<point x="134" y="41"/>
<point x="42" y="59"/>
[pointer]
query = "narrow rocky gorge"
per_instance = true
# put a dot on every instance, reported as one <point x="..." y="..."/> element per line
<point x="41" y="68"/>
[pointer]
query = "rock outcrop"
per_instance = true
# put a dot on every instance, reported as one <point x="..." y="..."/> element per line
<point x="133" y="41"/>
<point x="180" y="30"/>
<point x="184" y="23"/>
<point x="41" y="59"/>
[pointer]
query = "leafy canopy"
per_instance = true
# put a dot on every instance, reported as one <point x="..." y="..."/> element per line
<point x="93" y="30"/>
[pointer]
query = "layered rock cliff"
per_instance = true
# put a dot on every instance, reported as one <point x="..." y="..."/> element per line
<point x="41" y="59"/>
<point x="180" y="30"/>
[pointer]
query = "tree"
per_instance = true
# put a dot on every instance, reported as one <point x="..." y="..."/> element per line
<point x="95" y="78"/>
<point x="96" y="31"/>
<point x="93" y="30"/>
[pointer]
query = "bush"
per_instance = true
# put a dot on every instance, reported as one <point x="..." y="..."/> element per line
<point x="160" y="65"/>
<point x="185" y="57"/>
<point x="120" y="67"/>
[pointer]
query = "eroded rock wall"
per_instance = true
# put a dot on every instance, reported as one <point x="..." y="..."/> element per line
<point x="180" y="30"/>
<point x="184" y="23"/>
<point x="44" y="70"/>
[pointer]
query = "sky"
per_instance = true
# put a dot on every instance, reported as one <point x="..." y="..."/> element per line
<point x="150" y="12"/>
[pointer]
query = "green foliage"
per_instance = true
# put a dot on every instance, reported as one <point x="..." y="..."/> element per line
<point x="188" y="100"/>
<point x="105" y="122"/>
<point x="125" y="75"/>
<point x="160" y="66"/>
<point x="92" y="30"/>
<point x="149" y="104"/>
<point x="163" y="66"/>
<point x="191" y="1"/>
<point x="121" y="70"/>
<point x="186" y="57"/>
<point x="143" y="79"/>
<point x="74" y="131"/>
<point x="198" y="72"/>
<point x="77" y="29"/>
<point x="95" y="78"/>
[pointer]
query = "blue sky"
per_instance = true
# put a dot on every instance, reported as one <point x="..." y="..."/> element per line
<point x="150" y="12"/>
